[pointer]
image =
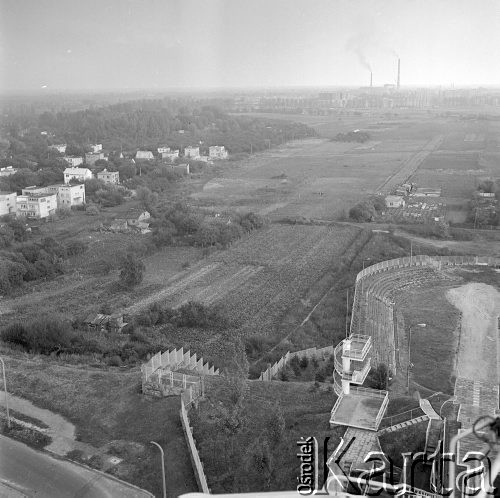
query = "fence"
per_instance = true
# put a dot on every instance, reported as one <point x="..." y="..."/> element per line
<point x="271" y="371"/>
<point x="174" y="360"/>
<point x="399" y="418"/>
<point x="437" y="262"/>
<point x="193" y="452"/>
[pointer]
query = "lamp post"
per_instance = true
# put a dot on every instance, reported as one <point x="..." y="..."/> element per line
<point x="410" y="364"/>
<point x="162" y="468"/>
<point x="6" y="394"/>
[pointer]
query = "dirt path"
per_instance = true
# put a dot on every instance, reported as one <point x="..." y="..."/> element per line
<point x="479" y="342"/>
<point x="60" y="430"/>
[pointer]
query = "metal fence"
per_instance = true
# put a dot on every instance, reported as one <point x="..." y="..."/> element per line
<point x="399" y="418"/>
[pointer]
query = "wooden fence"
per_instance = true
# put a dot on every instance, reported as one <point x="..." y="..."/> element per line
<point x="193" y="451"/>
<point x="268" y="374"/>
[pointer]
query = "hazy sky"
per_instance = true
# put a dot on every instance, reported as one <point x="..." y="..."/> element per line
<point x="107" y="44"/>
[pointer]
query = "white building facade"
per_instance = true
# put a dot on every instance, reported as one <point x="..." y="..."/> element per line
<point x="8" y="203"/>
<point x="79" y="174"/>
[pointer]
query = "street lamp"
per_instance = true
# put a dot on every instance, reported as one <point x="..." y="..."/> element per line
<point x="410" y="364"/>
<point x="162" y="468"/>
<point x="5" y="391"/>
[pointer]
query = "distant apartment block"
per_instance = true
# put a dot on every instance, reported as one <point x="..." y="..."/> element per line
<point x="7" y="171"/>
<point x="192" y="152"/>
<point x="109" y="176"/>
<point x="170" y="156"/>
<point x="36" y="205"/>
<point x="79" y="174"/>
<point x="61" y="148"/>
<point x="217" y="152"/>
<point x="96" y="147"/>
<point x="8" y="203"/>
<point x="161" y="150"/>
<point x="67" y="195"/>
<point x="92" y="157"/>
<point x="144" y="155"/>
<point x="73" y="161"/>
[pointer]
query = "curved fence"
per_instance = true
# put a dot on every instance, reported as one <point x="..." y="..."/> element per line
<point x="437" y="262"/>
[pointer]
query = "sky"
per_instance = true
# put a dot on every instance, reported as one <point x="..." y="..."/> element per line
<point x="175" y="44"/>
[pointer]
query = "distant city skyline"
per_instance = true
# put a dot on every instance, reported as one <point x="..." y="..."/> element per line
<point x="51" y="45"/>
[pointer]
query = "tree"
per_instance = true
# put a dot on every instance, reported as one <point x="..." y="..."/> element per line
<point x="147" y="198"/>
<point x="131" y="270"/>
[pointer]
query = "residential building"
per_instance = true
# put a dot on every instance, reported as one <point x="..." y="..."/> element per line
<point x="36" y="205"/>
<point x="79" y="174"/>
<point x="193" y="152"/>
<point x="8" y="203"/>
<point x="61" y="148"/>
<point x="109" y="176"/>
<point x="73" y="161"/>
<point x="67" y="195"/>
<point x="204" y="159"/>
<point x="394" y="201"/>
<point x="144" y="155"/>
<point x="163" y="149"/>
<point x="217" y="152"/>
<point x="7" y="171"/>
<point x="96" y="147"/>
<point x="170" y="156"/>
<point x="92" y="157"/>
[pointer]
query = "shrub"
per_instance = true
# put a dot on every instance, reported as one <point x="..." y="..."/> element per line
<point x="131" y="270"/>
<point x="115" y="361"/>
<point x="42" y="336"/>
<point x="76" y="247"/>
<point x="304" y="362"/>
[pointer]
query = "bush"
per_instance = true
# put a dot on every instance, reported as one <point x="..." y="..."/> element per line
<point x="132" y="271"/>
<point x="76" y="247"/>
<point x="115" y="361"/>
<point x="45" y="335"/>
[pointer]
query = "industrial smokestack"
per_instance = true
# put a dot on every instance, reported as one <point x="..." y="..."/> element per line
<point x="399" y="72"/>
<point x="371" y="79"/>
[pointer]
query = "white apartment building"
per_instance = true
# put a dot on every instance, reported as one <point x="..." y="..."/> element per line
<point x="79" y="174"/>
<point x="7" y="171"/>
<point x="67" y="195"/>
<point x="8" y="203"/>
<point x="192" y="152"/>
<point x="161" y="150"/>
<point x="73" y="161"/>
<point x="217" y="152"/>
<point x="36" y="205"/>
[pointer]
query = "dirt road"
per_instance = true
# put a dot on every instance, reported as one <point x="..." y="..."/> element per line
<point x="479" y="342"/>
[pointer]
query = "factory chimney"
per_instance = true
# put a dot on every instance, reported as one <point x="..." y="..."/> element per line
<point x="399" y="72"/>
<point x="371" y="79"/>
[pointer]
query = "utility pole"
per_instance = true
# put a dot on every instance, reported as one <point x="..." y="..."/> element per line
<point x="162" y="469"/>
<point x="411" y="252"/>
<point x="409" y="361"/>
<point x="5" y="393"/>
<point x="347" y="315"/>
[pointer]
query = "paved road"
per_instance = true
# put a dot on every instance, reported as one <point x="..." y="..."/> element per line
<point x="36" y="474"/>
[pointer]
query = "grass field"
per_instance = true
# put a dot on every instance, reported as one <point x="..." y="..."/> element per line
<point x="106" y="406"/>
